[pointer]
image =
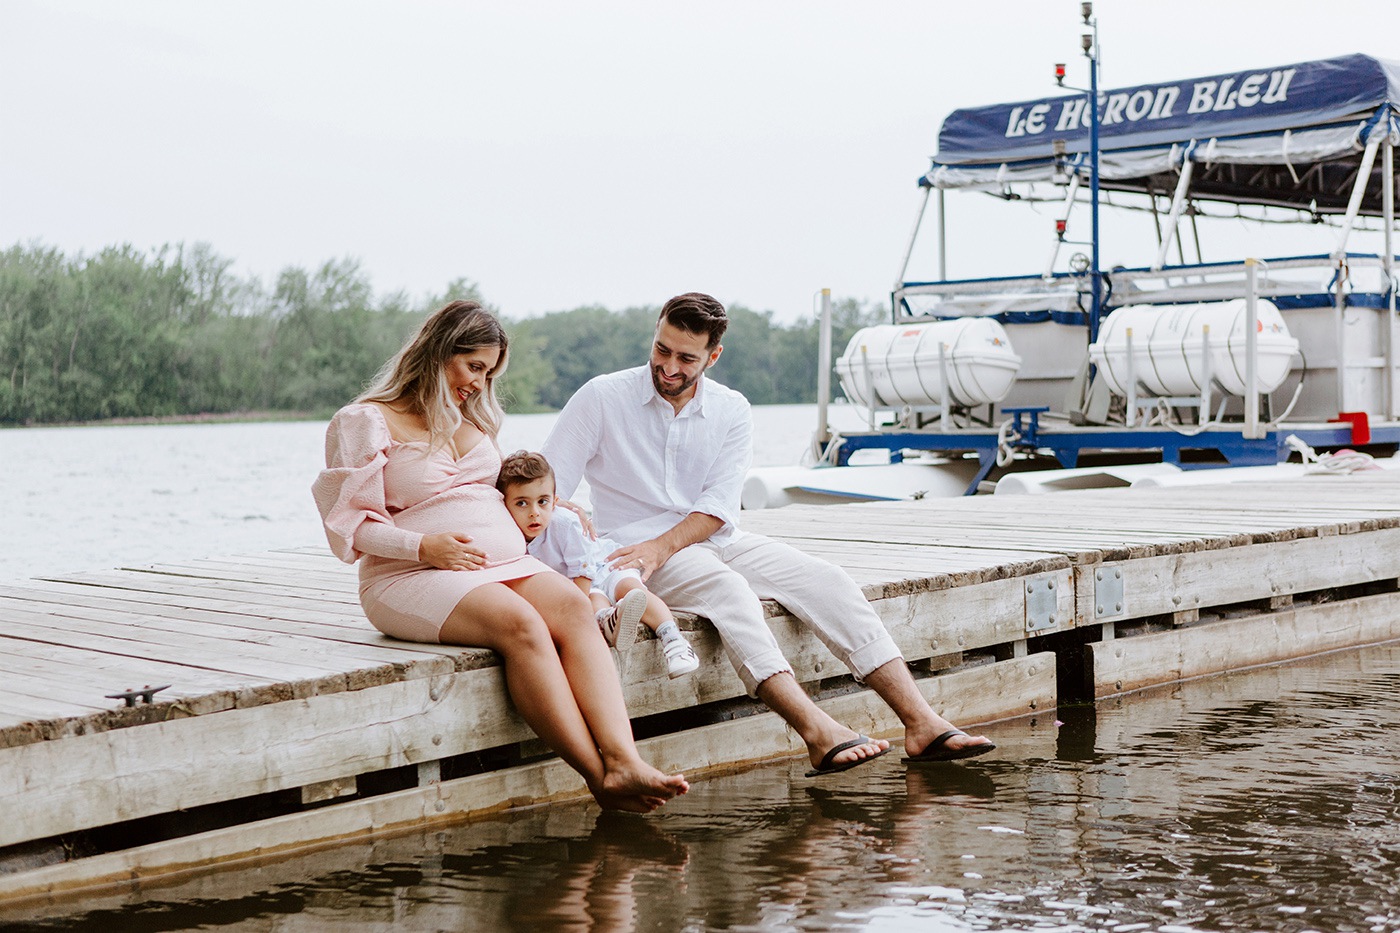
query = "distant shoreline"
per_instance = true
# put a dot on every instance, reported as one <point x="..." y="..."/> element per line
<point x="228" y="417"/>
<point x="251" y="417"/>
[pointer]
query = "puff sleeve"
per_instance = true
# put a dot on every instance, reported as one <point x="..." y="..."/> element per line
<point x="350" y="492"/>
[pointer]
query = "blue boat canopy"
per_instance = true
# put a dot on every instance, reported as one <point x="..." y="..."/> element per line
<point x="1291" y="136"/>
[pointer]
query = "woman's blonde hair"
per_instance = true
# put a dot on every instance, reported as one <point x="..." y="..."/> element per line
<point x="416" y="376"/>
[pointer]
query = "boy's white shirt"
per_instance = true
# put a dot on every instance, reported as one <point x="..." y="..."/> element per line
<point x="565" y="547"/>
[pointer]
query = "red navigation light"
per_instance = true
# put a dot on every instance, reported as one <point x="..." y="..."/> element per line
<point x="1060" y="72"/>
<point x="1060" y="227"/>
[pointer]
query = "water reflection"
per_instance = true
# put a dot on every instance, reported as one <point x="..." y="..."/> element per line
<point x="1260" y="801"/>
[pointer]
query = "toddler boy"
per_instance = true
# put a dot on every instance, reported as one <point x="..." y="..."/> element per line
<point x="557" y="538"/>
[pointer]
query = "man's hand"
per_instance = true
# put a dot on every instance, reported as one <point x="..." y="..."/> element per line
<point x="448" y="550"/>
<point x="650" y="555"/>
<point x="583" y="518"/>
<point x="646" y="557"/>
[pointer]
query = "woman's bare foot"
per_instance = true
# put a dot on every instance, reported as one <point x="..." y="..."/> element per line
<point x="639" y="779"/>
<point x="636" y="803"/>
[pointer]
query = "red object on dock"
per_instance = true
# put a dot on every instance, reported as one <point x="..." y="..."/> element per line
<point x="1360" y="425"/>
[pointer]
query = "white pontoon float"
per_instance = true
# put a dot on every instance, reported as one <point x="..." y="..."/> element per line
<point x="1183" y="366"/>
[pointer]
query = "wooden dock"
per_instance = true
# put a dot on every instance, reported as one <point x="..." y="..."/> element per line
<point x="290" y="724"/>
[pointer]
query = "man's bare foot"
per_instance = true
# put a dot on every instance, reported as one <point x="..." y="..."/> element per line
<point x="917" y="739"/>
<point x="816" y="751"/>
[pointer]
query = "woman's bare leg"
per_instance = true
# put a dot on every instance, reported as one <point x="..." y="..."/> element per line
<point x="495" y="616"/>
<point x="588" y="665"/>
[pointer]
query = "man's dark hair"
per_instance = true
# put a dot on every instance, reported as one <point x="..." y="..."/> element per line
<point x="697" y="313"/>
<point x="522" y="467"/>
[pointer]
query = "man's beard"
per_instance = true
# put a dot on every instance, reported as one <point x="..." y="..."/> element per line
<point x="661" y="388"/>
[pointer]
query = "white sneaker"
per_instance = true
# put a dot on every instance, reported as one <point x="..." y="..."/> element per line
<point x="607" y="624"/>
<point x="680" y="658"/>
<point x="623" y="617"/>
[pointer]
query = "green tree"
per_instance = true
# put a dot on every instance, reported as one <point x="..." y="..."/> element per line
<point x="588" y="341"/>
<point x="748" y="364"/>
<point x="329" y="342"/>
<point x="175" y="331"/>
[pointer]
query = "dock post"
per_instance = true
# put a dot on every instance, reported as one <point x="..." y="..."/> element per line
<point x="823" y="375"/>
<point x="1251" y="350"/>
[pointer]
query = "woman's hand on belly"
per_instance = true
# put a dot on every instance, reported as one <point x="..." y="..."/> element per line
<point x="448" y="550"/>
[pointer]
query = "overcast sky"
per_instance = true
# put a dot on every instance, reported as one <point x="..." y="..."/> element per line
<point x="566" y="153"/>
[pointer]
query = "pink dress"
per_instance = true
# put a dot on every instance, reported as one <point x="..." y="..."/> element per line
<point x="379" y="497"/>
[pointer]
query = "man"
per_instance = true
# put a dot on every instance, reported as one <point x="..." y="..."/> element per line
<point x="665" y="451"/>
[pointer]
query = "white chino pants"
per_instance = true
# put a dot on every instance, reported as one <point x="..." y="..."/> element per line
<point x="725" y="584"/>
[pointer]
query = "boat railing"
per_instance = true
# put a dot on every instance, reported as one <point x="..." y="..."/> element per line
<point x="1067" y="293"/>
<point x="1361" y="273"/>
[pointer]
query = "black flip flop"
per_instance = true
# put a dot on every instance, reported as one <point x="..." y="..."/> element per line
<point x="826" y="767"/>
<point x="937" y="752"/>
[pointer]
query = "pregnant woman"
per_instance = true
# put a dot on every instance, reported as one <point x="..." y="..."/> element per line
<point x="409" y="491"/>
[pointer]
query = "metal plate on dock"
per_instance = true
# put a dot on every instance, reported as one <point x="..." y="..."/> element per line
<point x="1041" y="603"/>
<point x="1108" y="592"/>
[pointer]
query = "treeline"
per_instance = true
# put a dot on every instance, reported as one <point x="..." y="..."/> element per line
<point x="126" y="334"/>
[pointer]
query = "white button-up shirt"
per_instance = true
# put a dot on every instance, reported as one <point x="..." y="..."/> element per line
<point x="647" y="466"/>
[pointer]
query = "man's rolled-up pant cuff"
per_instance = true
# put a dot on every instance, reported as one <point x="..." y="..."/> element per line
<point x="758" y="669"/>
<point x="873" y="656"/>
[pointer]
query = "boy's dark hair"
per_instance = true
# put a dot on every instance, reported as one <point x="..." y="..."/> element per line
<point x="698" y="313"/>
<point x="523" y="466"/>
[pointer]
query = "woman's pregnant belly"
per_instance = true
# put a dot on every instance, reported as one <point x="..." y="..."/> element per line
<point x="475" y="510"/>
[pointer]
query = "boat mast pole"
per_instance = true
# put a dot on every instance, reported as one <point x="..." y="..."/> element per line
<point x="1090" y="41"/>
<point x="1388" y="264"/>
<point x="942" y="238"/>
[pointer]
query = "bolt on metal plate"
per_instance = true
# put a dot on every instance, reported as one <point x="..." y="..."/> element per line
<point x="1041" y="603"/>
<point x="1108" y="592"/>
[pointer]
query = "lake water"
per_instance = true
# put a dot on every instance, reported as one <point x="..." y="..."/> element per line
<point x="1265" y="800"/>
<point x="93" y="498"/>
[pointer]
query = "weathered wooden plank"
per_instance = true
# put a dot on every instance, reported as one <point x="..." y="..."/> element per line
<point x="186" y="631"/>
<point x="1126" y="664"/>
<point x="161" y="767"/>
<point x="101" y="671"/>
<point x="231" y="592"/>
<point x="332" y="571"/>
<point x="339" y="589"/>
<point x="937" y="558"/>
<point x="1149" y="532"/>
<point x="255" y="660"/>
<point x="347" y="630"/>
<point x="36" y="684"/>
<point x="194" y="598"/>
<point x="1159" y="585"/>
<point x="41" y="708"/>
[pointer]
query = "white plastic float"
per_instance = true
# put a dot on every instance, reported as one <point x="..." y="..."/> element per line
<point x="1168" y="344"/>
<point x="894" y="365"/>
